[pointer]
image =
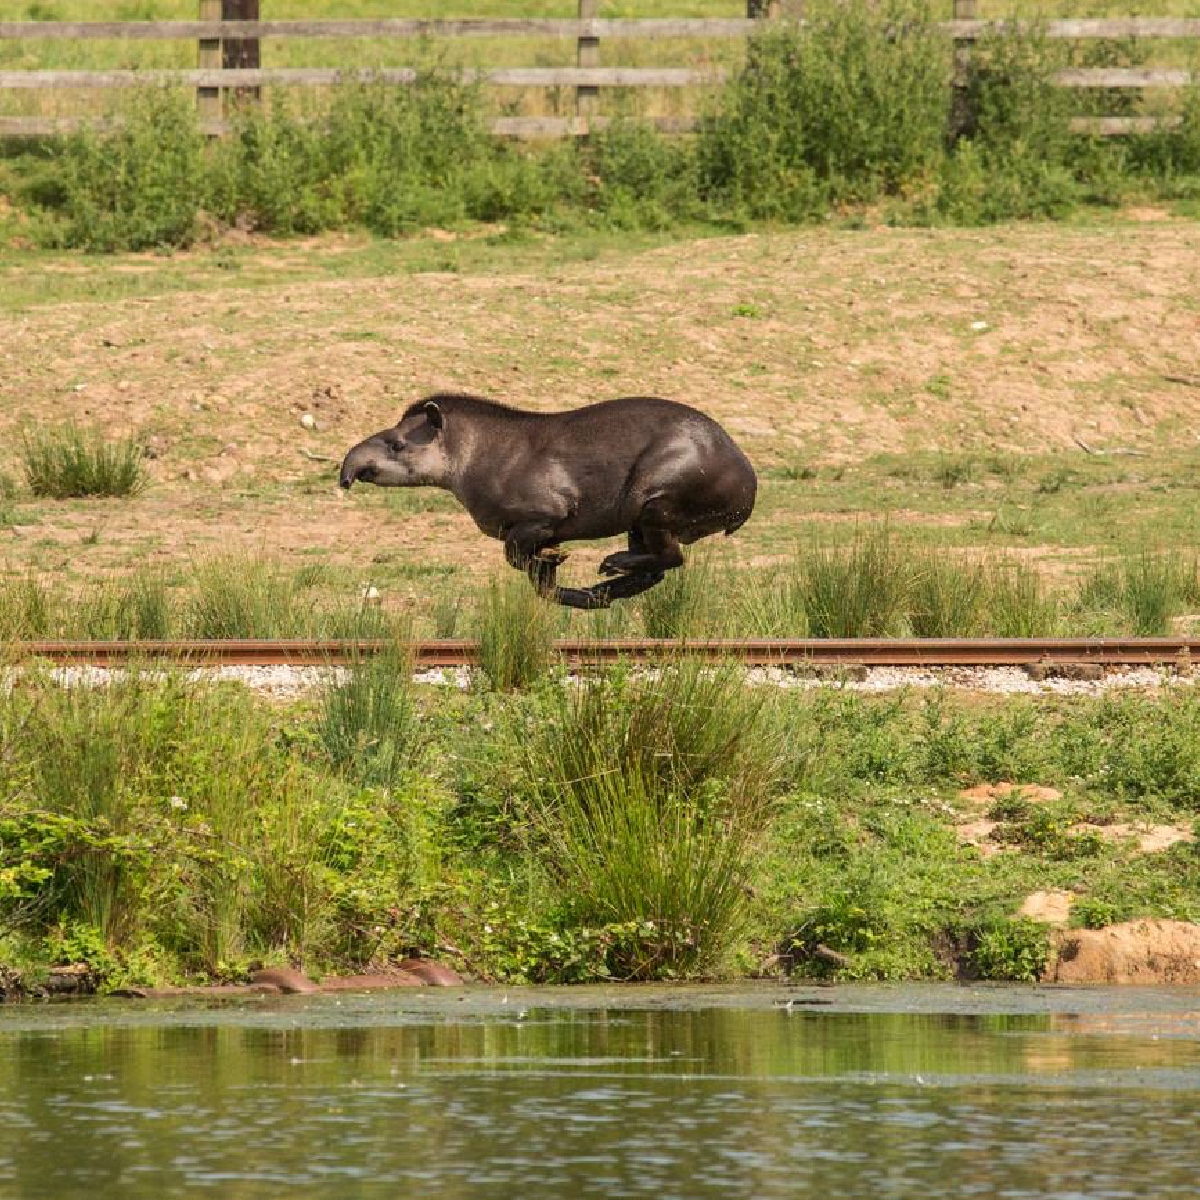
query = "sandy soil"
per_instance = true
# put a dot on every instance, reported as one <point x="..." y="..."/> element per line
<point x="816" y="345"/>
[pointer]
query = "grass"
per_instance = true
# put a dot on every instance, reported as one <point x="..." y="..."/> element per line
<point x="879" y="584"/>
<point x="659" y="825"/>
<point x="67" y="461"/>
<point x="516" y="631"/>
<point x="366" y="722"/>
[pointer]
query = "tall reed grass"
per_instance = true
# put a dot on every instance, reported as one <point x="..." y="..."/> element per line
<point x="367" y="722"/>
<point x="650" y="791"/>
<point x="516" y="630"/>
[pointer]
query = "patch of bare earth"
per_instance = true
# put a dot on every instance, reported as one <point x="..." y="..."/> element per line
<point x="831" y="345"/>
<point x="1051" y="907"/>
<point x="1137" y="952"/>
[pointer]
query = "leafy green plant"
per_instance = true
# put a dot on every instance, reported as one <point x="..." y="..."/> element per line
<point x="1016" y="950"/>
<point x="64" y="461"/>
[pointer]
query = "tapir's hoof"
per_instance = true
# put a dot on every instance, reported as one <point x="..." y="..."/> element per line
<point x="585" y="598"/>
<point x="552" y="555"/>
<point x="620" y="563"/>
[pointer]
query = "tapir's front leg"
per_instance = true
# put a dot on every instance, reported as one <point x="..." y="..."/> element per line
<point x="529" y="547"/>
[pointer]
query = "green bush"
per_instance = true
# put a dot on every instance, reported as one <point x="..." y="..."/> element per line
<point x="851" y="107"/>
<point x="138" y="184"/>
<point x="64" y="461"/>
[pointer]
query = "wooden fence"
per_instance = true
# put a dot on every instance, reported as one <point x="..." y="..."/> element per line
<point x="228" y="59"/>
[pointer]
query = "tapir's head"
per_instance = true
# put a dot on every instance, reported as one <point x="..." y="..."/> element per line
<point x="410" y="454"/>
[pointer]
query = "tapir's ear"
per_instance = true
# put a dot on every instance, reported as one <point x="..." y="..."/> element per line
<point x="433" y="413"/>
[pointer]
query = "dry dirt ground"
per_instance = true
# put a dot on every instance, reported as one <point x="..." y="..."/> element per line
<point x="817" y="346"/>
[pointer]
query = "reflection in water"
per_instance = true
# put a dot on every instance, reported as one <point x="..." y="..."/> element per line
<point x="310" y="1099"/>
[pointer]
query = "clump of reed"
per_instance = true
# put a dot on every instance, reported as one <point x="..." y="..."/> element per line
<point x="516" y="630"/>
<point x="367" y="722"/>
<point x="67" y="461"/>
<point x="650" y="792"/>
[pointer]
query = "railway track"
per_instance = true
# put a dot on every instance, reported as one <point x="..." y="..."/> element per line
<point x="797" y="652"/>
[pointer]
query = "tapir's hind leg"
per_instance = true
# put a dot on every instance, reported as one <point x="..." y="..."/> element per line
<point x="652" y="551"/>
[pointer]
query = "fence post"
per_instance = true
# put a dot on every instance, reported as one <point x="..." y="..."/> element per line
<point x="961" y="117"/>
<point x="588" y="55"/>
<point x="241" y="52"/>
<point x="208" y="99"/>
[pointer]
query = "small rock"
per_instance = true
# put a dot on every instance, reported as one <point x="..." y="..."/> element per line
<point x="285" y="979"/>
<point x="1087" y="672"/>
<point x="308" y="421"/>
<point x="433" y="973"/>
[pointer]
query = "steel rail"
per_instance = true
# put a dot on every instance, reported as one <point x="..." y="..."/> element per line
<point x="827" y="652"/>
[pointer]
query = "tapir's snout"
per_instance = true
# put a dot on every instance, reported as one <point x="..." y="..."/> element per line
<point x="357" y="465"/>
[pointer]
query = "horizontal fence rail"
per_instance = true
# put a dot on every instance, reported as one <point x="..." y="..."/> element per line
<point x="213" y="81"/>
<point x="615" y="77"/>
<point x="796" y="652"/>
<point x="604" y="28"/>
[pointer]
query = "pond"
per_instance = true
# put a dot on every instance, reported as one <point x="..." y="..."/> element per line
<point x="683" y="1092"/>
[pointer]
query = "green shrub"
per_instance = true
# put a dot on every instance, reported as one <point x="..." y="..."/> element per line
<point x="239" y="596"/>
<point x="64" y="461"/>
<point x="851" y="107"/>
<point x="1015" y="950"/>
<point x="137" y="184"/>
<point x="1019" y="154"/>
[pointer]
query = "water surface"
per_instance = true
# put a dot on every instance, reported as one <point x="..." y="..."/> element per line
<point x="846" y="1092"/>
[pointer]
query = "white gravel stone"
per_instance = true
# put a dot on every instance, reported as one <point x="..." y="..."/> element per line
<point x="288" y="682"/>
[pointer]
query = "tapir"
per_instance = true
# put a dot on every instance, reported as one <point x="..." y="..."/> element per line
<point x="658" y="471"/>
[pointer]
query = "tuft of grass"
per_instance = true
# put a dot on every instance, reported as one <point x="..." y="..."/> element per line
<point x="687" y="604"/>
<point x="650" y="792"/>
<point x="516" y="633"/>
<point x="946" y="596"/>
<point x="235" y="596"/>
<point x="27" y="609"/>
<point x="1017" y="602"/>
<point x="367" y="722"/>
<point x="66" y="461"/>
<point x="138" y="606"/>
<point x="860" y="590"/>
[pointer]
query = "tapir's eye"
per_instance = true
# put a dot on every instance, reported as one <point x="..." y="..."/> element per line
<point x="394" y="443"/>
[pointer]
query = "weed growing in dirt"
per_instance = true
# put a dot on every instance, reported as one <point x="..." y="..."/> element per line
<point x="66" y="461"/>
